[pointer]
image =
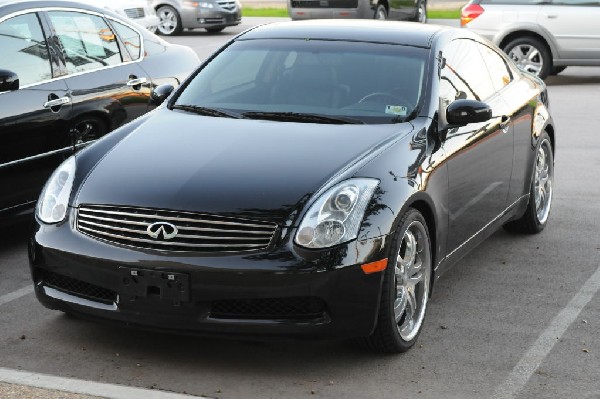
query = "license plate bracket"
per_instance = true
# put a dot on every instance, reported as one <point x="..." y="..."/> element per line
<point x="155" y="284"/>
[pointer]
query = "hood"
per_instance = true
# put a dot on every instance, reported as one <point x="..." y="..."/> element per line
<point x="256" y="169"/>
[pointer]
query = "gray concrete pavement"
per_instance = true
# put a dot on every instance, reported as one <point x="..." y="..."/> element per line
<point x="485" y="316"/>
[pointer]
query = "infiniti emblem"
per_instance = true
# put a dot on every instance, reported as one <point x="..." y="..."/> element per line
<point x="167" y="230"/>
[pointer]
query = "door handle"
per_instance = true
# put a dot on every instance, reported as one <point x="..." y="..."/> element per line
<point x="505" y="123"/>
<point x="551" y="16"/>
<point x="136" y="82"/>
<point x="57" y="102"/>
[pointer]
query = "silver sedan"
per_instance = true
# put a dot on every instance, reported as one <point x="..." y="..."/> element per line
<point x="212" y="15"/>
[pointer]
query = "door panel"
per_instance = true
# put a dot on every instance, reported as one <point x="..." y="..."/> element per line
<point x="33" y="138"/>
<point x="575" y="28"/>
<point x="480" y="155"/>
<point x="101" y="84"/>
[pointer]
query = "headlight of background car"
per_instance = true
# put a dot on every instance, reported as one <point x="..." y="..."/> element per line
<point x="336" y="216"/>
<point x="53" y="203"/>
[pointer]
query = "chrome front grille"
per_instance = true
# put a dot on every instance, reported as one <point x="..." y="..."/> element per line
<point x="192" y="231"/>
<point x="134" y="13"/>
<point x="227" y="5"/>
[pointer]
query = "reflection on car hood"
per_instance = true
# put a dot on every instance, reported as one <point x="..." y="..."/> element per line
<point x="252" y="168"/>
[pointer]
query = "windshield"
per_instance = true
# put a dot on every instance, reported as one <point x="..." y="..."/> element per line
<point x="309" y="81"/>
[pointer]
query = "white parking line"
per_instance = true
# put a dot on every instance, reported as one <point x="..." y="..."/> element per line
<point x="534" y="357"/>
<point x="16" y="294"/>
<point x="110" y="391"/>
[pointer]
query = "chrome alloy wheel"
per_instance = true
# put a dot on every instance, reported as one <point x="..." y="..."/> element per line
<point x="543" y="181"/>
<point x="381" y="12"/>
<point x="422" y="13"/>
<point x="168" y="20"/>
<point x="412" y="274"/>
<point x="527" y="58"/>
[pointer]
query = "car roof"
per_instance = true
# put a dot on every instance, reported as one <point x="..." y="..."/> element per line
<point x="393" y="32"/>
<point x="11" y="6"/>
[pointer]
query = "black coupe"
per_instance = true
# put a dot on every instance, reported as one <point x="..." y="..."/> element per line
<point x="312" y="179"/>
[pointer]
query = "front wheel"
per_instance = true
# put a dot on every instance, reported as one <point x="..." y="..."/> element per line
<point x="380" y="12"/>
<point x="540" y="193"/>
<point x="170" y="21"/>
<point x="405" y="290"/>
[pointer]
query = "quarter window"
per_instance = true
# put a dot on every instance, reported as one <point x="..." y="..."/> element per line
<point x="87" y="40"/>
<point x="24" y="49"/>
<point x="130" y="38"/>
<point x="499" y="71"/>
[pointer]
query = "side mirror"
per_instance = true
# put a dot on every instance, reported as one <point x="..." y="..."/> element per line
<point x="9" y="81"/>
<point x="463" y="112"/>
<point x="160" y="94"/>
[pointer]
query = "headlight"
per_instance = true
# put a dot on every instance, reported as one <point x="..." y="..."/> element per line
<point x="53" y="203"/>
<point x="336" y="216"/>
<point x="205" y="5"/>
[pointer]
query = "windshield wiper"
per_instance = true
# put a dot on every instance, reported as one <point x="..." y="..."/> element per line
<point x="303" y="118"/>
<point x="207" y="111"/>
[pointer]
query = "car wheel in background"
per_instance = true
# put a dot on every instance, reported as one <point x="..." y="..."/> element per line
<point x="531" y="55"/>
<point x="557" y="70"/>
<point x="170" y="21"/>
<point x="540" y="194"/>
<point x="87" y="128"/>
<point x="380" y="12"/>
<point x="215" y="30"/>
<point x="405" y="290"/>
<point x="421" y="15"/>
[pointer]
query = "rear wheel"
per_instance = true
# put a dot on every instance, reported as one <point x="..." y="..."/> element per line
<point x="381" y="12"/>
<point x="405" y="290"/>
<point x="421" y="15"/>
<point x="531" y="55"/>
<point x="540" y="194"/>
<point x="170" y="21"/>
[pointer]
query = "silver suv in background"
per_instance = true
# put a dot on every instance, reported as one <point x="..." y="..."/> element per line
<point x="542" y="37"/>
<point x="212" y="15"/>
<point x="407" y="10"/>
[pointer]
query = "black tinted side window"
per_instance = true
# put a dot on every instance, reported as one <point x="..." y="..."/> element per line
<point x="24" y="51"/>
<point x="465" y="74"/>
<point x="87" y="40"/>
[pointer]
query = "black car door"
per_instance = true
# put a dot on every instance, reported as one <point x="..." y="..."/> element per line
<point x="33" y="118"/>
<point x="107" y="85"/>
<point x="480" y="155"/>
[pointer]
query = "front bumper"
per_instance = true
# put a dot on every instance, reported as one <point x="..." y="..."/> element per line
<point x="287" y="292"/>
<point x="210" y="17"/>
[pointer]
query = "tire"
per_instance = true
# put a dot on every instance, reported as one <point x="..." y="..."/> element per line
<point x="380" y="12"/>
<point x="557" y="70"/>
<point x="398" y="322"/>
<point x="536" y="216"/>
<point x="215" y="30"/>
<point x="170" y="21"/>
<point x="421" y="12"/>
<point x="87" y="128"/>
<point x="531" y="55"/>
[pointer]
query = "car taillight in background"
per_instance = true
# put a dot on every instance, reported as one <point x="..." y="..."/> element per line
<point x="469" y="13"/>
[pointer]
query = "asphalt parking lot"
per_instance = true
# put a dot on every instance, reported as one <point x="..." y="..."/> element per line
<point x="518" y="317"/>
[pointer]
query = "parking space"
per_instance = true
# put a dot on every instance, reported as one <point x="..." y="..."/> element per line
<point x="518" y="317"/>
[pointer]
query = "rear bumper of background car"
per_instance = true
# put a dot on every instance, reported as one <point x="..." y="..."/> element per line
<point x="276" y="293"/>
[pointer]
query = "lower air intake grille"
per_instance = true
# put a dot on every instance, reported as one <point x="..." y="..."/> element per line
<point x="167" y="230"/>
<point x="76" y="287"/>
<point x="268" y="308"/>
<point x="134" y="13"/>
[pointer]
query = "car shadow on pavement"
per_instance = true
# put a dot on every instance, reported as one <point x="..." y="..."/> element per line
<point x="572" y="80"/>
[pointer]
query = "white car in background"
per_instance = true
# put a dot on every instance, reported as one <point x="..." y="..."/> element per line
<point x="138" y="11"/>
<point x="542" y="36"/>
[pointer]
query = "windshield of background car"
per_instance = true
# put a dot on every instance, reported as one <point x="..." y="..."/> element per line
<point x="368" y="82"/>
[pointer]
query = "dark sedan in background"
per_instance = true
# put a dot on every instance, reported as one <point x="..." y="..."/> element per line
<point x="283" y="191"/>
<point x="69" y="73"/>
<point x="403" y="10"/>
